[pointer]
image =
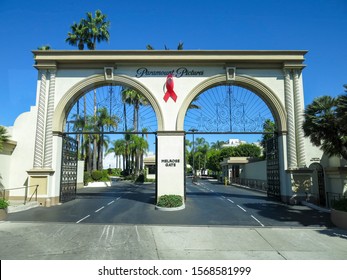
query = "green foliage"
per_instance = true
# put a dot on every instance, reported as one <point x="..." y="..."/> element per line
<point x="87" y="178"/>
<point x="340" y="205"/>
<point x="97" y="175"/>
<point x="3" y="203"/>
<point x="170" y="201"/>
<point x="89" y="31"/>
<point x="140" y="178"/>
<point x="105" y="177"/>
<point x="247" y="150"/>
<point x="325" y="124"/>
<point x="116" y="172"/>
<point x="213" y="160"/>
<point x="3" y="136"/>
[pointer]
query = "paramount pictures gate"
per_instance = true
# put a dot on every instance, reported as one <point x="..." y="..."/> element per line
<point x="64" y="76"/>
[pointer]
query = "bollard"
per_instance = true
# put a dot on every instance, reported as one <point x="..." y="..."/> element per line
<point x="48" y="202"/>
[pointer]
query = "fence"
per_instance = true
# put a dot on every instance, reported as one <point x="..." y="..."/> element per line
<point x="5" y="193"/>
<point x="250" y="183"/>
<point x="332" y="197"/>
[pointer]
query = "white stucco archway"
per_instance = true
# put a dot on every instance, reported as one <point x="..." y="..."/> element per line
<point x="269" y="97"/>
<point x="75" y="92"/>
<point x="275" y="76"/>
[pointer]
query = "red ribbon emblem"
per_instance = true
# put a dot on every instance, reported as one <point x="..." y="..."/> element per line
<point x="169" y="89"/>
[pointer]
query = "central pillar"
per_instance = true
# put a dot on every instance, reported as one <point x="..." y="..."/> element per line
<point x="170" y="163"/>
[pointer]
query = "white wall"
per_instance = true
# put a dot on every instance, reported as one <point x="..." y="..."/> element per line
<point x="254" y="170"/>
<point x="23" y="155"/>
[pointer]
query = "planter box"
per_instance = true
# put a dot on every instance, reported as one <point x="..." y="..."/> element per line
<point x="339" y="218"/>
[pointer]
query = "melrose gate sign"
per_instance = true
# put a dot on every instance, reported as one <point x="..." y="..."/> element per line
<point x="64" y="76"/>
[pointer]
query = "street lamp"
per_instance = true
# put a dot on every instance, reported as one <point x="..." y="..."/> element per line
<point x="193" y="130"/>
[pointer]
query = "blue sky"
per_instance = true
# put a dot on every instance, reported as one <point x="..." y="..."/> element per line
<point x="314" y="25"/>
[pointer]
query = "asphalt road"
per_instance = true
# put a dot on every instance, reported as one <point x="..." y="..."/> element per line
<point x="208" y="203"/>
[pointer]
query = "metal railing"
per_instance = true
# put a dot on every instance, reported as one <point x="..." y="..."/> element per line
<point x="251" y="183"/>
<point x="332" y="197"/>
<point x="5" y="193"/>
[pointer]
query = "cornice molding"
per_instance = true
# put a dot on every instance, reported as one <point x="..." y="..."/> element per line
<point x="78" y="59"/>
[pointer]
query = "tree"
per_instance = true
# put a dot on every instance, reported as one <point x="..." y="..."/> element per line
<point x="3" y="137"/>
<point x="213" y="160"/>
<point x="89" y="31"/>
<point x="104" y="122"/>
<point x="248" y="150"/>
<point x="133" y="97"/>
<point x="97" y="28"/>
<point x="218" y="145"/>
<point x="78" y="35"/>
<point x="179" y="47"/>
<point x="44" y="48"/>
<point x="324" y="124"/>
<point x="269" y="127"/>
<point x="118" y="148"/>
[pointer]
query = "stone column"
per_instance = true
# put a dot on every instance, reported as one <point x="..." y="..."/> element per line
<point x="291" y="144"/>
<point x="299" y="118"/>
<point x="40" y="124"/>
<point x="170" y="163"/>
<point x="47" y="163"/>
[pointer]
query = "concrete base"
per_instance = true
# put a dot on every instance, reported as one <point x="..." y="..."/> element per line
<point x="339" y="218"/>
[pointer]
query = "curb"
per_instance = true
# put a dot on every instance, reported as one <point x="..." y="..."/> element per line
<point x="169" y="209"/>
<point x="313" y="206"/>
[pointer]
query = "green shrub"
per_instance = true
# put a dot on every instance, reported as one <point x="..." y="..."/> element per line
<point x="340" y="205"/>
<point x="97" y="175"/>
<point x="170" y="201"/>
<point x="140" y="178"/>
<point x="3" y="203"/>
<point x="87" y="178"/>
<point x="116" y="172"/>
<point x="105" y="176"/>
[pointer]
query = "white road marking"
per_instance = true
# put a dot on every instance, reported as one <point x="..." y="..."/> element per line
<point x="231" y="200"/>
<point x="110" y="202"/>
<point x="83" y="219"/>
<point x="257" y="220"/>
<point x="96" y="211"/>
<point x="241" y="208"/>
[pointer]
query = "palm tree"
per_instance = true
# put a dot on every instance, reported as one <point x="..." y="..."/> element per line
<point x="44" y="48"/>
<point x="179" y="47"/>
<point x="79" y="125"/>
<point x="218" y="145"/>
<point x="3" y="137"/>
<point x="97" y="28"/>
<point x="201" y="147"/>
<point x="193" y="105"/>
<point x="104" y="122"/>
<point x="78" y="35"/>
<point x="118" y="148"/>
<point x="323" y="126"/>
<point x="133" y="97"/>
<point x="89" y="31"/>
<point x="141" y="147"/>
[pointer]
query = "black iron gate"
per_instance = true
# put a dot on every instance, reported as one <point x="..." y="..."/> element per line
<point x="68" y="179"/>
<point x="273" y="170"/>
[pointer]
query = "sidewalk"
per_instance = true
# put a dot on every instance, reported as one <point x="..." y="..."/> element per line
<point x="39" y="241"/>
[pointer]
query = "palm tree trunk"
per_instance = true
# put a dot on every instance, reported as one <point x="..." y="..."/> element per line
<point x="95" y="150"/>
<point x="101" y="145"/>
